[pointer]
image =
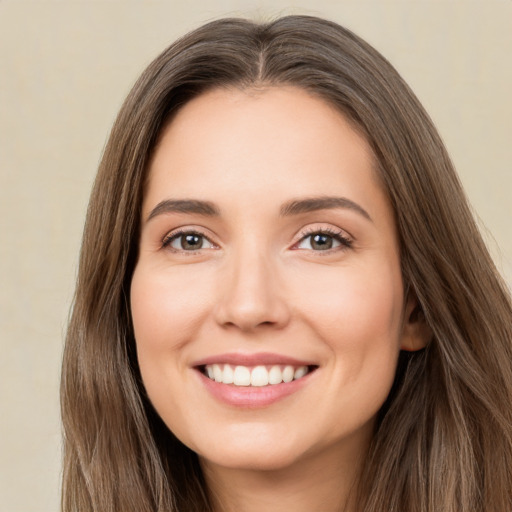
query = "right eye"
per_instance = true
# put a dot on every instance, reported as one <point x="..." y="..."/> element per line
<point x="188" y="241"/>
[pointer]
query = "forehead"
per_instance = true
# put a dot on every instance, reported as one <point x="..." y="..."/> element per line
<point x="245" y="142"/>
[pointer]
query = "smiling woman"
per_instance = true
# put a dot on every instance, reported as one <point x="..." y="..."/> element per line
<point x="283" y="301"/>
<point x="275" y="284"/>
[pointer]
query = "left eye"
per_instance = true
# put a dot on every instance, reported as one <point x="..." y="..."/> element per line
<point x="188" y="242"/>
<point x="321" y="241"/>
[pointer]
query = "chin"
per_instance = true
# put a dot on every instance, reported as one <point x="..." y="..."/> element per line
<point x="251" y="460"/>
<point x="263" y="452"/>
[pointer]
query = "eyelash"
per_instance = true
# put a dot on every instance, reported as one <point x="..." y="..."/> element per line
<point x="345" y="242"/>
<point x="338" y="235"/>
<point x="167" y="241"/>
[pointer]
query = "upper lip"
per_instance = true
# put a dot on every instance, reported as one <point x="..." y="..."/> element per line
<point x="257" y="359"/>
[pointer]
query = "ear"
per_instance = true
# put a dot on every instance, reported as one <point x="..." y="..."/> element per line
<point x="416" y="333"/>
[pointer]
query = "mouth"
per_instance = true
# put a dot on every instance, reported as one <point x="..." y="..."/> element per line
<point x="254" y="380"/>
<point x="255" y="376"/>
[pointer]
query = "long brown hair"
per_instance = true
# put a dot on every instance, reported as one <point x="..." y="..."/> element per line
<point x="444" y="436"/>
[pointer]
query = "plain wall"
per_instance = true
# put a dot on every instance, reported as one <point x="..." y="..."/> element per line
<point x="65" y="68"/>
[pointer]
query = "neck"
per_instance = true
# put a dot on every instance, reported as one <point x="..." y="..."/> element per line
<point x="326" y="483"/>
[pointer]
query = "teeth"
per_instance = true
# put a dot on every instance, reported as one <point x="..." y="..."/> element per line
<point x="300" y="372"/>
<point x="256" y="376"/>
<point x="242" y="376"/>
<point x="259" y="376"/>
<point x="217" y="373"/>
<point x="228" y="375"/>
<point x="275" y="375"/>
<point x="288" y="373"/>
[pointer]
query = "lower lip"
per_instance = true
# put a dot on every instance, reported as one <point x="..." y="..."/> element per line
<point x="252" y="396"/>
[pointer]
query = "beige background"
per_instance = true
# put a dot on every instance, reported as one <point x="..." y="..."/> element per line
<point x="66" y="66"/>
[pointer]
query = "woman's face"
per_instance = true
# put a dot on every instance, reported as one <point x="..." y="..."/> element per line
<point x="268" y="256"/>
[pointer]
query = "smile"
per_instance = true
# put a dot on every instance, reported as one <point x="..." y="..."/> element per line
<point x="256" y="376"/>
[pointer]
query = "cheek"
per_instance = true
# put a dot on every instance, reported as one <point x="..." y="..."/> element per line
<point x="166" y="307"/>
<point x="358" y="317"/>
<point x="356" y="306"/>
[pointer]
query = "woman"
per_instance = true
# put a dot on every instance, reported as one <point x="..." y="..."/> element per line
<point x="283" y="300"/>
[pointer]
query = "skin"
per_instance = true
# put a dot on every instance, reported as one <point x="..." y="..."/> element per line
<point x="258" y="284"/>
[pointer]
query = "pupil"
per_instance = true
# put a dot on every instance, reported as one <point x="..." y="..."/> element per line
<point x="191" y="242"/>
<point x="322" y="242"/>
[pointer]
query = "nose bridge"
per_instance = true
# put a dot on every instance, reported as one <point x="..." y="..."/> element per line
<point x="251" y="294"/>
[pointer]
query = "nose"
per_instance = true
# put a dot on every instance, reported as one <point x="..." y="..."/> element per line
<point x="251" y="295"/>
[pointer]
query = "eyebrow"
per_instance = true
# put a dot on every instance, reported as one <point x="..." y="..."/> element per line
<point x="290" y="208"/>
<point x="184" y="206"/>
<point x="311" y="204"/>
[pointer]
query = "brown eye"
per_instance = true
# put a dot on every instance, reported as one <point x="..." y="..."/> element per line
<point x="323" y="241"/>
<point x="189" y="241"/>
